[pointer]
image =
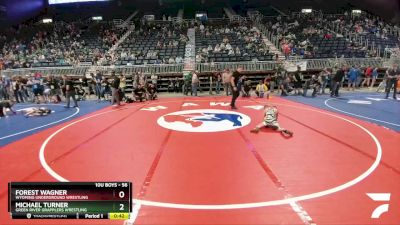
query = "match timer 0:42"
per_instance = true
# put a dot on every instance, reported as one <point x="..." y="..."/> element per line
<point x="70" y="200"/>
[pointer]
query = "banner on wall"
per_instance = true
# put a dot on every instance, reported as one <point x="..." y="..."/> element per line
<point x="291" y="66"/>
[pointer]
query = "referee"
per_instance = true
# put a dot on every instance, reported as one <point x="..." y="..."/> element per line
<point x="234" y="86"/>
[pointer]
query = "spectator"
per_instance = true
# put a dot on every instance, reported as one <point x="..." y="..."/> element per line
<point x="188" y="83"/>
<point x="352" y="78"/>
<point x="246" y="86"/>
<point x="171" y="85"/>
<point x="6" y="105"/>
<point x="139" y="93"/>
<point x="368" y="75"/>
<point x="261" y="88"/>
<point x="29" y="89"/>
<point x="267" y="81"/>
<point x="374" y="76"/>
<point x="178" y="85"/>
<point x="179" y="60"/>
<point x="154" y="79"/>
<point x="85" y="85"/>
<point x="122" y="85"/>
<point x="3" y="91"/>
<point x="237" y="51"/>
<point x="323" y="79"/>
<point x="228" y="47"/>
<point x="298" y="81"/>
<point x="151" y="92"/>
<point x="217" y="48"/>
<point x="218" y="81"/>
<point x="105" y="88"/>
<point x="37" y="88"/>
<point x="142" y="79"/>
<point x="280" y="77"/>
<point x="46" y="92"/>
<point x="98" y="79"/>
<point x="171" y="60"/>
<point x="285" y="87"/>
<point x="314" y="83"/>
<point x="135" y="80"/>
<point x="54" y="89"/>
<point x="16" y="85"/>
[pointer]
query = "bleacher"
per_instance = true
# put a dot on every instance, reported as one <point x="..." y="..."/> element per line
<point x="156" y="44"/>
<point x="378" y="42"/>
<point x="153" y="46"/>
<point x="333" y="47"/>
<point x="366" y="29"/>
<point x="311" y="38"/>
<point x="55" y="45"/>
<point x="236" y="38"/>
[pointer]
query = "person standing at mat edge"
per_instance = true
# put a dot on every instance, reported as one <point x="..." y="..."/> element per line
<point x="393" y="75"/>
<point x="337" y="80"/>
<point x="69" y="91"/>
<point x="114" y="89"/>
<point x="234" y="86"/>
<point x="195" y="82"/>
<point x="226" y="79"/>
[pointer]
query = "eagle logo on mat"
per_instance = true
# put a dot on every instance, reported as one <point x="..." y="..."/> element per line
<point x="203" y="120"/>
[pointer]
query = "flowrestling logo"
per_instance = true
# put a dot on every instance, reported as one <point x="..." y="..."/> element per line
<point x="203" y="120"/>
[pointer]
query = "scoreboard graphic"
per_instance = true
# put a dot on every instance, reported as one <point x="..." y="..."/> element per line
<point x="72" y="200"/>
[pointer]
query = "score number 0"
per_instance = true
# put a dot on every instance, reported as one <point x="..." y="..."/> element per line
<point x="121" y="194"/>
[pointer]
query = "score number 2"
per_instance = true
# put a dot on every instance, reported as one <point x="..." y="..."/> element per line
<point x="121" y="194"/>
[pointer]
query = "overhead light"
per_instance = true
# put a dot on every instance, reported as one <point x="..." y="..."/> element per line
<point x="47" y="20"/>
<point x="97" y="18"/>
<point x="356" y="11"/>
<point x="201" y="15"/>
<point x="306" y="10"/>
